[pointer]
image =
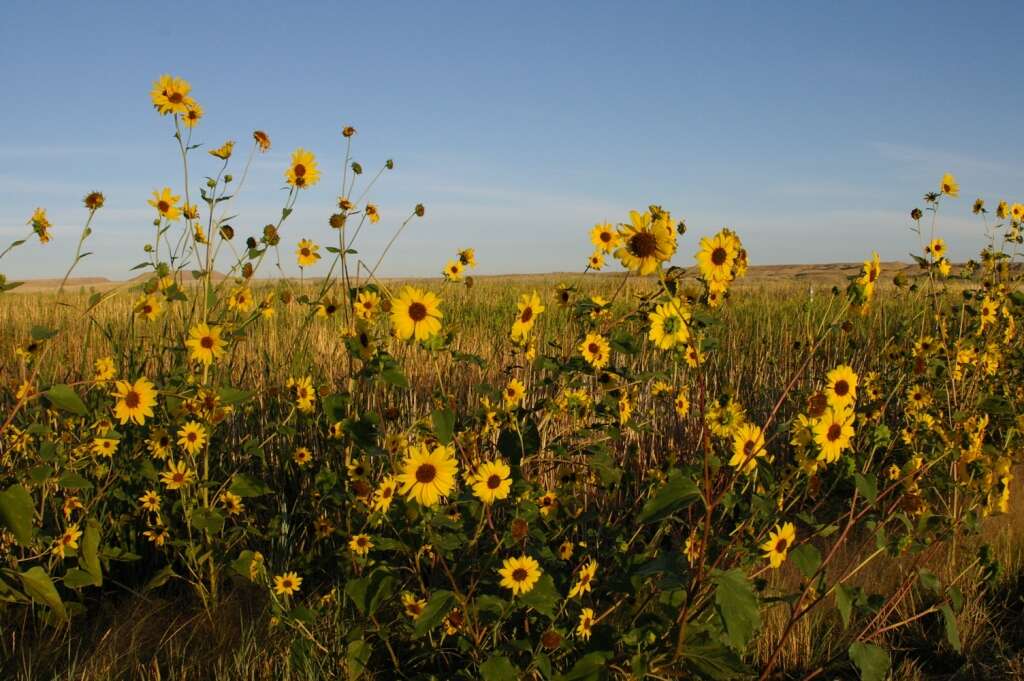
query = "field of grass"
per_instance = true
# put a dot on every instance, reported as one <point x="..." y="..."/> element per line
<point x="671" y="465"/>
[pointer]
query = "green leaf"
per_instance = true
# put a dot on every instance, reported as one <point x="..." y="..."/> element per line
<point x="89" y="556"/>
<point x="677" y="493"/>
<point x="807" y="559"/>
<point x="246" y="486"/>
<point x="368" y="592"/>
<point x="543" y="597"/>
<point x="74" y="481"/>
<point x="868" y="487"/>
<point x="590" y="667"/>
<point x="357" y="656"/>
<point x="952" y="630"/>
<point x="498" y="668"/>
<point x="208" y="519"/>
<point x="394" y="376"/>
<point x="160" y="578"/>
<point x="76" y="578"/>
<point x="444" y="424"/>
<point x="39" y="586"/>
<point x="844" y="602"/>
<point x="41" y="333"/>
<point x="710" y="658"/>
<point x="872" y="661"/>
<point x="440" y="604"/>
<point x="63" y="397"/>
<point x="16" y="512"/>
<point x="929" y="581"/>
<point x="736" y="604"/>
<point x="234" y="395"/>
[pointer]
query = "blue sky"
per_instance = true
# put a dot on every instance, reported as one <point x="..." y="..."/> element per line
<point x="810" y="128"/>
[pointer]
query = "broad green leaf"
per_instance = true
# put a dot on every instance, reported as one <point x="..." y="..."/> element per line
<point x="736" y="604"/>
<point x="678" y="493"/>
<point x="89" y="556"/>
<point x="368" y="592"/>
<point x="807" y="559"/>
<point x="844" y="602"/>
<point x="74" y="481"/>
<point x="76" y="578"/>
<point x="234" y="395"/>
<point x="439" y="604"/>
<point x="590" y="667"/>
<point x="952" y="630"/>
<point x="16" y="512"/>
<point x="40" y="588"/>
<point x="246" y="486"/>
<point x="868" y="487"/>
<point x="63" y="397"/>
<point x="710" y="658"/>
<point x="872" y="661"/>
<point x="543" y="597"/>
<point x="498" y="668"/>
<point x="357" y="656"/>
<point x="394" y="376"/>
<point x="208" y="519"/>
<point x="444" y="424"/>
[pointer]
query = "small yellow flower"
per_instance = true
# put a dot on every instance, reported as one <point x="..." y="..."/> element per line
<point x="223" y="152"/>
<point x="150" y="501"/>
<point x="287" y="584"/>
<point x="492" y="481"/>
<point x="177" y="475"/>
<point x="307" y="253"/>
<point x="360" y="544"/>
<point x="780" y="541"/>
<point x="302" y="456"/>
<point x="302" y="171"/>
<point x="103" y="369"/>
<point x="584" y="580"/>
<point x="135" y="401"/>
<point x="586" y="624"/>
<point x="166" y="204"/>
<point x="605" y="238"/>
<point x="514" y="392"/>
<point x="205" y="343"/>
<point x="40" y="225"/>
<point x="67" y="540"/>
<point x="519" y="574"/>
<point x="595" y="350"/>
<point x="191" y="437"/>
<point x="948" y="186"/>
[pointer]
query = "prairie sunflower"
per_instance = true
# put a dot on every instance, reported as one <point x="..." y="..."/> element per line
<point x="841" y="386"/>
<point x="586" y="624"/>
<point x="262" y="140"/>
<point x="307" y="253"/>
<point x="453" y="270"/>
<point x="604" y="237"/>
<point x="669" y="324"/>
<point x="177" y="475"/>
<point x="104" y="446"/>
<point x="150" y="501"/>
<point x="40" y="225"/>
<point x="519" y="574"/>
<point x="287" y="584"/>
<point x="548" y="502"/>
<point x="780" y="541"/>
<point x="416" y="313"/>
<point x="191" y="437"/>
<point x="493" y="481"/>
<point x="467" y="257"/>
<point x="413" y="605"/>
<point x="596" y="261"/>
<point x="646" y="243"/>
<point x="716" y="257"/>
<point x="166" y="204"/>
<point x="529" y="307"/>
<point x="302" y="456"/>
<point x="170" y="95"/>
<point x="67" y="540"/>
<point x="303" y="391"/>
<point x="833" y="433"/>
<point x="205" y="343"/>
<point x="366" y="304"/>
<point x="372" y="214"/>
<point x="241" y="299"/>
<point x="936" y="248"/>
<point x="360" y="544"/>
<point x="948" y="186"/>
<point x="595" y="350"/>
<point x="747" y="447"/>
<point x="585" y="579"/>
<point x="514" y="392"/>
<point x="135" y="401"/>
<point x="428" y="475"/>
<point x="384" y="494"/>
<point x="192" y="115"/>
<point x="223" y="152"/>
<point x="302" y="171"/>
<point x="149" y="307"/>
<point x="103" y="369"/>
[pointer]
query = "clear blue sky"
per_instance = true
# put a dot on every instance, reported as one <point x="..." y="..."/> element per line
<point x="811" y="128"/>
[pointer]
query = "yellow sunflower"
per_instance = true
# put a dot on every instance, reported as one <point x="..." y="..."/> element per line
<point x="453" y="270"/>
<point x="841" y="386"/>
<point x="586" y="623"/>
<point x="604" y="237"/>
<point x="519" y="574"/>
<point x="149" y="307"/>
<point x="416" y="313"/>
<point x="646" y="243"/>
<point x="360" y="544"/>
<point x="366" y="304"/>
<point x="287" y="584"/>
<point x="428" y="475"/>
<point x="384" y="494"/>
<point x="302" y="456"/>
<point x="40" y="225"/>
<point x="780" y="541"/>
<point x="150" y="501"/>
<point x="514" y="392"/>
<point x="492" y="481"/>
<point x="595" y="350"/>
<point x="585" y="580"/>
<point x="223" y="152"/>
<point x="166" y="204"/>
<point x="747" y="447"/>
<point x="303" y="391"/>
<point x="529" y="307"/>
<point x="302" y="171"/>
<point x="205" y="343"/>
<point x="948" y="186"/>
<point x="170" y="95"/>
<point x="135" y="401"/>
<point x="177" y="475"/>
<point x="193" y="114"/>
<point x="833" y="432"/>
<point x="669" y="324"/>
<point x="241" y="299"/>
<point x="307" y="253"/>
<point x="191" y="437"/>
<point x="936" y="248"/>
<point x="716" y="257"/>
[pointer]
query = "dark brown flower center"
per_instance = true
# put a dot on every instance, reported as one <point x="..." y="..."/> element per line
<point x="781" y="544"/>
<point x="417" y="312"/>
<point x="175" y="98"/>
<point x="643" y="244"/>
<point x="842" y="388"/>
<point x="526" y="315"/>
<point x="426" y="473"/>
<point x="206" y="342"/>
<point x="606" y="236"/>
<point x="719" y="256"/>
<point x="594" y="348"/>
<point x="132" y="399"/>
<point x="748" y="448"/>
<point x="163" y="206"/>
<point x="834" y="432"/>
<point x="299" y="170"/>
<point x="494" y="482"/>
<point x="519" y="575"/>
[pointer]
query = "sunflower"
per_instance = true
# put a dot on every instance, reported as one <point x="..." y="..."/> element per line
<point x="595" y="350"/>
<point x="360" y="544"/>
<point x="287" y="584"/>
<point x="669" y="324"/>
<point x="514" y="392"/>
<point x="519" y="574"/>
<point x="585" y="579"/>
<point x="327" y="308"/>
<point x="262" y="140"/>
<point x="157" y="534"/>
<point x="170" y="95"/>
<point x="40" y="225"/>
<point x="493" y="481"/>
<point x="307" y="253"/>
<point x="177" y="475"/>
<point x="780" y="541"/>
<point x="150" y="501"/>
<point x="232" y="503"/>
<point x="529" y="307"/>
<point x="149" y="307"/>
<point x="646" y="243"/>
<point x="841" y="386"/>
<point x="205" y="343"/>
<point x="682" y="402"/>
<point x="586" y="624"/>
<point x="166" y="204"/>
<point x="694" y="356"/>
<point x="67" y="540"/>
<point x="241" y="299"/>
<point x="103" y="370"/>
<point x="453" y="270"/>
<point x="596" y="261"/>
<point x="384" y="494"/>
<point x="1017" y="212"/>
<point x="191" y="437"/>
<point x="987" y="312"/>
<point x="467" y="256"/>
<point x="833" y="432"/>
<point x="303" y="391"/>
<point x="428" y="475"/>
<point x="413" y="605"/>
<point x="302" y="456"/>
<point x="104" y="446"/>
<point x="548" y="502"/>
<point x="366" y="304"/>
<point x="135" y="401"/>
<point x="159" y="443"/>
<point x="936" y="248"/>
<point x="604" y="238"/>
<point x="416" y="314"/>
<point x="1002" y="210"/>
<point x="716" y="257"/>
<point x="302" y="171"/>
<point x="948" y="186"/>
<point x="747" y="447"/>
<point x="565" y="550"/>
